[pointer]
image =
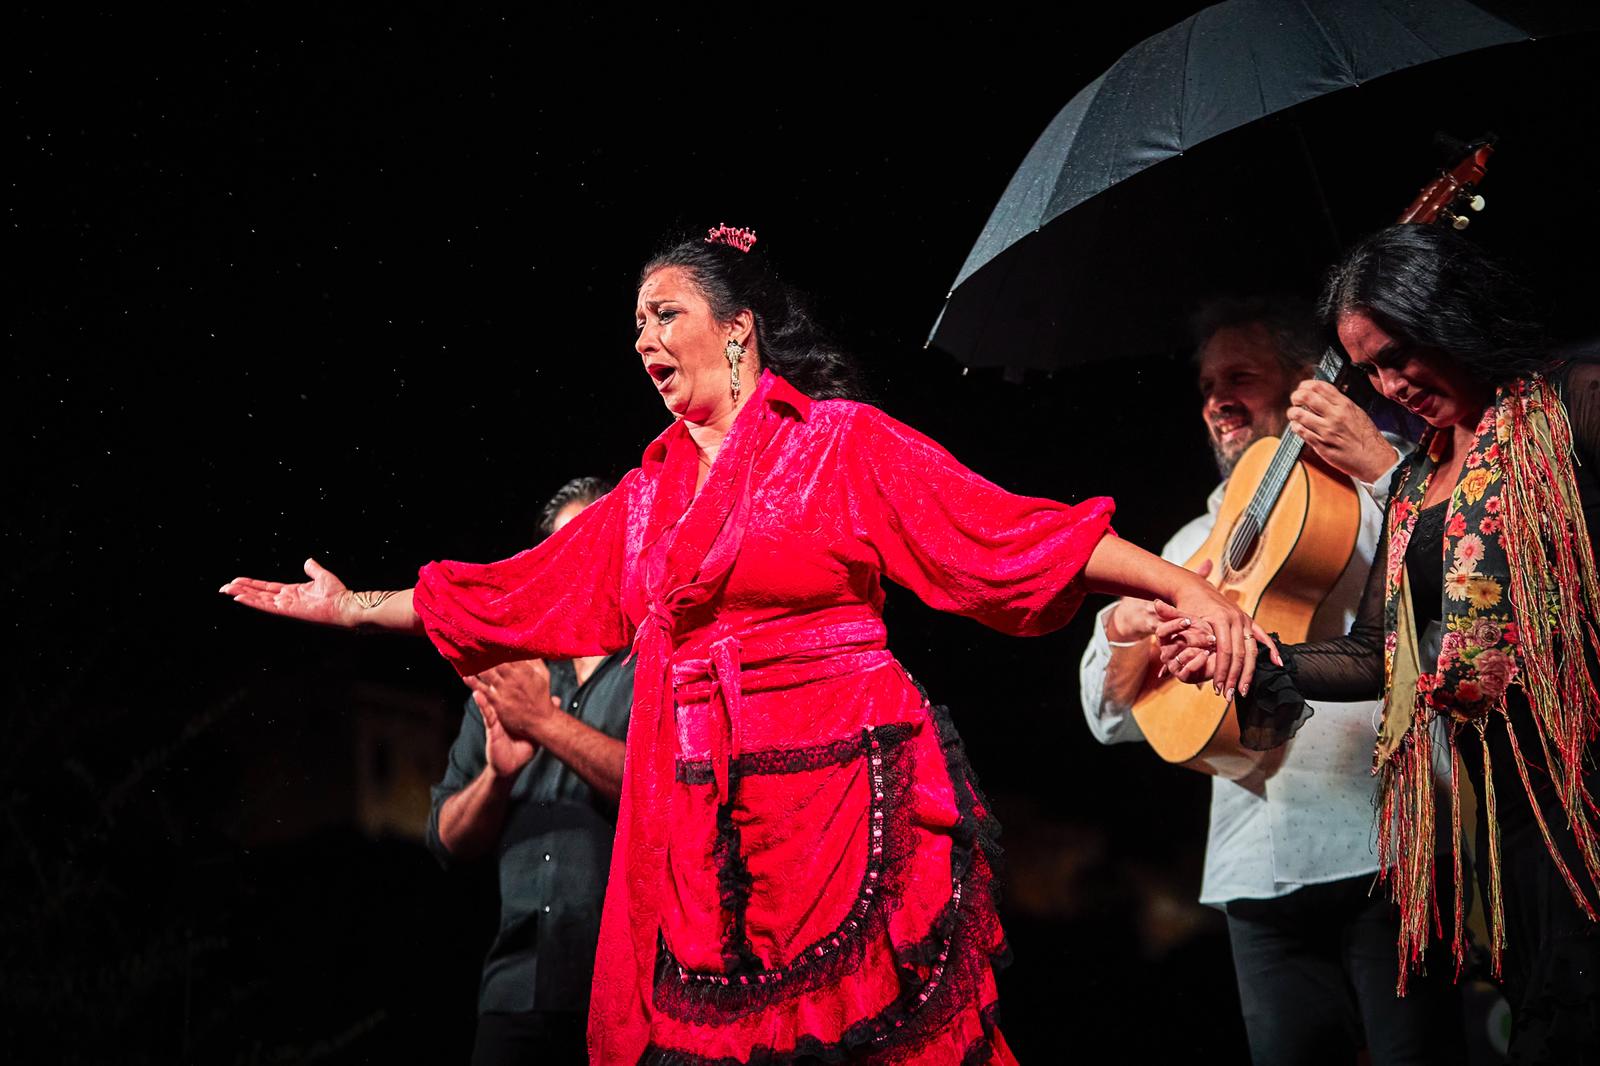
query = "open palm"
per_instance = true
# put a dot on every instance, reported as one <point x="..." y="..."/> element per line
<point x="323" y="599"/>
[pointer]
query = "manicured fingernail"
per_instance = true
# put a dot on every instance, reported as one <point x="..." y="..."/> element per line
<point x="1230" y="695"/>
<point x="1187" y="623"/>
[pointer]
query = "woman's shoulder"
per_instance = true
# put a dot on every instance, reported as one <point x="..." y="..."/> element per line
<point x="859" y="411"/>
<point x="856" y="418"/>
<point x="1579" y="385"/>
<point x="835" y="416"/>
<point x="1580" y="375"/>
<point x="840" y="410"/>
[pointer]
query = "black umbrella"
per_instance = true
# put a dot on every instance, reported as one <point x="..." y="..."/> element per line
<point x="1094" y="248"/>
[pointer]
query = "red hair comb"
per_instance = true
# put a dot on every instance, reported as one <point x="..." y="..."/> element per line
<point x="722" y="233"/>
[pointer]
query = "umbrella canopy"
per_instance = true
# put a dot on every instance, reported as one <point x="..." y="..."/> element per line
<point x="1218" y="71"/>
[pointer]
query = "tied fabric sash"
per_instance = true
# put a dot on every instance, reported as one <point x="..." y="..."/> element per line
<point x="708" y="692"/>
<point x="706" y="530"/>
<point x="724" y="669"/>
<point x="1519" y="608"/>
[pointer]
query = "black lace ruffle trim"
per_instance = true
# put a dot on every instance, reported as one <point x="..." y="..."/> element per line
<point x="939" y="975"/>
<point x="809" y="1050"/>
<point x="733" y="885"/>
<point x="733" y="875"/>
<point x="981" y="1050"/>
<point x="1273" y="711"/>
<point x="691" y="996"/>
<point x="977" y="827"/>
<point x="790" y="760"/>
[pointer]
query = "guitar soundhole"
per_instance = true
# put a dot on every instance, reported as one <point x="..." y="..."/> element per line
<point x="1242" y="543"/>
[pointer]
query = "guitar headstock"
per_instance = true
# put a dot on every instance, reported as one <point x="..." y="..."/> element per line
<point x="1452" y="196"/>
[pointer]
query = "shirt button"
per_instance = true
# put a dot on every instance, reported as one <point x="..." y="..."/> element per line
<point x="547" y="856"/>
<point x="547" y="908"/>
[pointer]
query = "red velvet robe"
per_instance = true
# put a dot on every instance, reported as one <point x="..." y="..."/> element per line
<point x="799" y="865"/>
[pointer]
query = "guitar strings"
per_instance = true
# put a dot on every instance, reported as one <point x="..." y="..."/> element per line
<point x="1262" y="501"/>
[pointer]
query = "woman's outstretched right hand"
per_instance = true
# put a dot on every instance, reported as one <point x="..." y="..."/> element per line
<point x="324" y="599"/>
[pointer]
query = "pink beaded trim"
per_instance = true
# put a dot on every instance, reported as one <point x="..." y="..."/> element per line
<point x="858" y="915"/>
<point x="936" y="975"/>
<point x="858" y="912"/>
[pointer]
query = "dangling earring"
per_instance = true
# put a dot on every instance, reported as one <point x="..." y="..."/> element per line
<point x="735" y="353"/>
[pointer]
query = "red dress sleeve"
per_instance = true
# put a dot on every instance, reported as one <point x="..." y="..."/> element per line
<point x="960" y="542"/>
<point x="559" y="600"/>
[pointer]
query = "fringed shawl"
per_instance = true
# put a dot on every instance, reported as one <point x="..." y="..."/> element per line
<point x="1520" y="601"/>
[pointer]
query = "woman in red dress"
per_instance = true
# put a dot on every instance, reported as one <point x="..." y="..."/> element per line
<point x="800" y="871"/>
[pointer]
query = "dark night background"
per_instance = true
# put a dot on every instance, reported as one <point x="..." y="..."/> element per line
<point x="357" y="283"/>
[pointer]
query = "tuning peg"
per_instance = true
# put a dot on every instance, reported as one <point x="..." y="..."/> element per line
<point x="1476" y="203"/>
<point x="1458" y="221"/>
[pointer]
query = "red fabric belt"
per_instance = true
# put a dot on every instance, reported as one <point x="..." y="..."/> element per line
<point x="708" y="692"/>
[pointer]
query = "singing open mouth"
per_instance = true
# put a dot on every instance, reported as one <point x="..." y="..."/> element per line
<point x="662" y="373"/>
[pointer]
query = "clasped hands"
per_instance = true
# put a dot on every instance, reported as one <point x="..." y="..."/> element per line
<point x="1190" y="651"/>
<point x="516" y="704"/>
<point x="1203" y="637"/>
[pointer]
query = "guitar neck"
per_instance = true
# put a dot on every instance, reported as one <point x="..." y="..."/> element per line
<point x="1330" y="368"/>
<point x="1442" y="198"/>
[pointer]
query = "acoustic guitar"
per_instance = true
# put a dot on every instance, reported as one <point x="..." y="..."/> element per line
<point x="1284" y="533"/>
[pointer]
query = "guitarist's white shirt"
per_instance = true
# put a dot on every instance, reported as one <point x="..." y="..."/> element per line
<point x="1312" y="821"/>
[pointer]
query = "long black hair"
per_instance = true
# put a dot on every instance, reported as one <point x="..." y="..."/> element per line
<point x="1432" y="287"/>
<point x="788" y="336"/>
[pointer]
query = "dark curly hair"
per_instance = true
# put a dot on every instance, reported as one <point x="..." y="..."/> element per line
<point x="1432" y="287"/>
<point x="1286" y="318"/>
<point x="584" y="490"/>
<point x="788" y="337"/>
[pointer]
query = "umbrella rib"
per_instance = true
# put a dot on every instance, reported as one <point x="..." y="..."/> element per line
<point x="1413" y="34"/>
<point x="1255" y="72"/>
<point x="1183" y="86"/>
<point x="1336" y="46"/>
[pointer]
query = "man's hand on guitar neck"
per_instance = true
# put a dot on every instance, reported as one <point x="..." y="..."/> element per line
<point x="1339" y="431"/>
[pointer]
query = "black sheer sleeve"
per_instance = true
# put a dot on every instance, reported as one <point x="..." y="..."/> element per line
<point x="1343" y="669"/>
<point x="1348" y="667"/>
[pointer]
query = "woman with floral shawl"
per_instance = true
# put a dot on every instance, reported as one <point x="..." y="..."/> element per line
<point x="1478" y="624"/>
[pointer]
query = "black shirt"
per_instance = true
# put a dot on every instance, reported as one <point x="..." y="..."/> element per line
<point x="553" y="855"/>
